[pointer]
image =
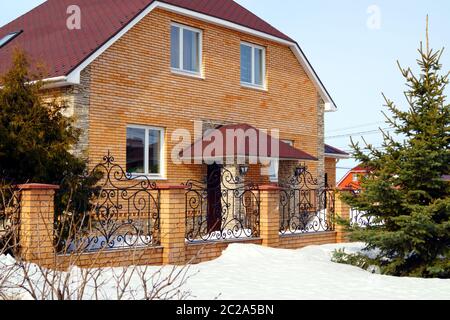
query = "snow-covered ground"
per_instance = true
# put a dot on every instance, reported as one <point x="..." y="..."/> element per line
<point x="255" y="272"/>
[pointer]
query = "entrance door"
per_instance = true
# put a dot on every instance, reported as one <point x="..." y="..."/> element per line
<point x="214" y="186"/>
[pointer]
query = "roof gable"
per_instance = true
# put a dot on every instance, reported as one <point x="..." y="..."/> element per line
<point x="47" y="39"/>
<point x="65" y="52"/>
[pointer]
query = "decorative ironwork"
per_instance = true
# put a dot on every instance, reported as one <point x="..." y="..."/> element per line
<point x="222" y="207"/>
<point x="9" y="217"/>
<point x="360" y="218"/>
<point x="305" y="207"/>
<point x="124" y="214"/>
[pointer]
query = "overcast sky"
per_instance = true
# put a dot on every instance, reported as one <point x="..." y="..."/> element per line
<point x="353" y="45"/>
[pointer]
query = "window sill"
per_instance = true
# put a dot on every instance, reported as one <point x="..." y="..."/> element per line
<point x="188" y="74"/>
<point x="148" y="177"/>
<point x="253" y="87"/>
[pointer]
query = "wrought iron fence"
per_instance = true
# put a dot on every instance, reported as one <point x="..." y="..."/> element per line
<point x="361" y="219"/>
<point x="305" y="207"/>
<point x="124" y="214"/>
<point x="9" y="217"/>
<point x="222" y="207"/>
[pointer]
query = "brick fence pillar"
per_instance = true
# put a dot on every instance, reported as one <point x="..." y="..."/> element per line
<point x="173" y="224"/>
<point x="342" y="211"/>
<point x="37" y="216"/>
<point x="270" y="215"/>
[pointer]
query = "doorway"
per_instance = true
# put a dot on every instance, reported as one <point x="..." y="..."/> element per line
<point x="214" y="206"/>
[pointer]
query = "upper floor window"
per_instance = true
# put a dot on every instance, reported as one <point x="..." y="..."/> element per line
<point x="145" y="150"/>
<point x="355" y="177"/>
<point x="253" y="65"/>
<point x="186" y="49"/>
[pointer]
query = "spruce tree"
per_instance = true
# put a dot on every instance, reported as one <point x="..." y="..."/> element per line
<point x="405" y="192"/>
<point x="35" y="136"/>
<point x="36" y="139"/>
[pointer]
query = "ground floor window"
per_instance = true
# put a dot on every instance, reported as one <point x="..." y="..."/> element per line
<point x="145" y="150"/>
<point x="273" y="170"/>
<point x="274" y="166"/>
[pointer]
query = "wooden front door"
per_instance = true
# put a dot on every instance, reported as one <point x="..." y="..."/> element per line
<point x="214" y="210"/>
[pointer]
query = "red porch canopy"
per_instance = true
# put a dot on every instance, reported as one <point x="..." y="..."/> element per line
<point x="242" y="141"/>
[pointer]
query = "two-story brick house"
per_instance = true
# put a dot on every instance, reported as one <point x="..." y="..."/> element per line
<point x="137" y="70"/>
<point x="138" y="73"/>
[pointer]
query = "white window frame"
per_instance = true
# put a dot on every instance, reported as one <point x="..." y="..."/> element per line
<point x="153" y="176"/>
<point x="181" y="69"/>
<point x="253" y="84"/>
<point x="275" y="164"/>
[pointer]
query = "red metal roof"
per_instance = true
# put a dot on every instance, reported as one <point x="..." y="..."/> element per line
<point x="47" y="39"/>
<point x="360" y="168"/>
<point x="332" y="150"/>
<point x="285" y="151"/>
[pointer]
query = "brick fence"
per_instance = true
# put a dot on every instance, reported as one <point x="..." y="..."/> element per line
<point x="37" y="233"/>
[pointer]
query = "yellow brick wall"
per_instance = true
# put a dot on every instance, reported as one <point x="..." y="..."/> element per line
<point x="304" y="240"/>
<point x="151" y="256"/>
<point x="330" y="169"/>
<point x="202" y="252"/>
<point x="132" y="83"/>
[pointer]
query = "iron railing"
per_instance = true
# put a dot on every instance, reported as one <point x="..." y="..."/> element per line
<point x="221" y="207"/>
<point x="125" y="214"/>
<point x="361" y="219"/>
<point x="9" y="218"/>
<point x="305" y="206"/>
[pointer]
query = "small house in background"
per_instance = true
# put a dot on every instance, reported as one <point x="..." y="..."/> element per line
<point x="352" y="180"/>
<point x="332" y="157"/>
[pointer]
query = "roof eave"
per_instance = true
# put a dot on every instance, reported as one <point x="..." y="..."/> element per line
<point x="337" y="156"/>
<point x="60" y="81"/>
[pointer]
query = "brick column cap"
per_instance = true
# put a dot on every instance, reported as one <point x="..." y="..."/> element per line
<point x="270" y="187"/>
<point x="38" y="186"/>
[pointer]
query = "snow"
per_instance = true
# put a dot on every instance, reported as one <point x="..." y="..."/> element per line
<point x="253" y="272"/>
